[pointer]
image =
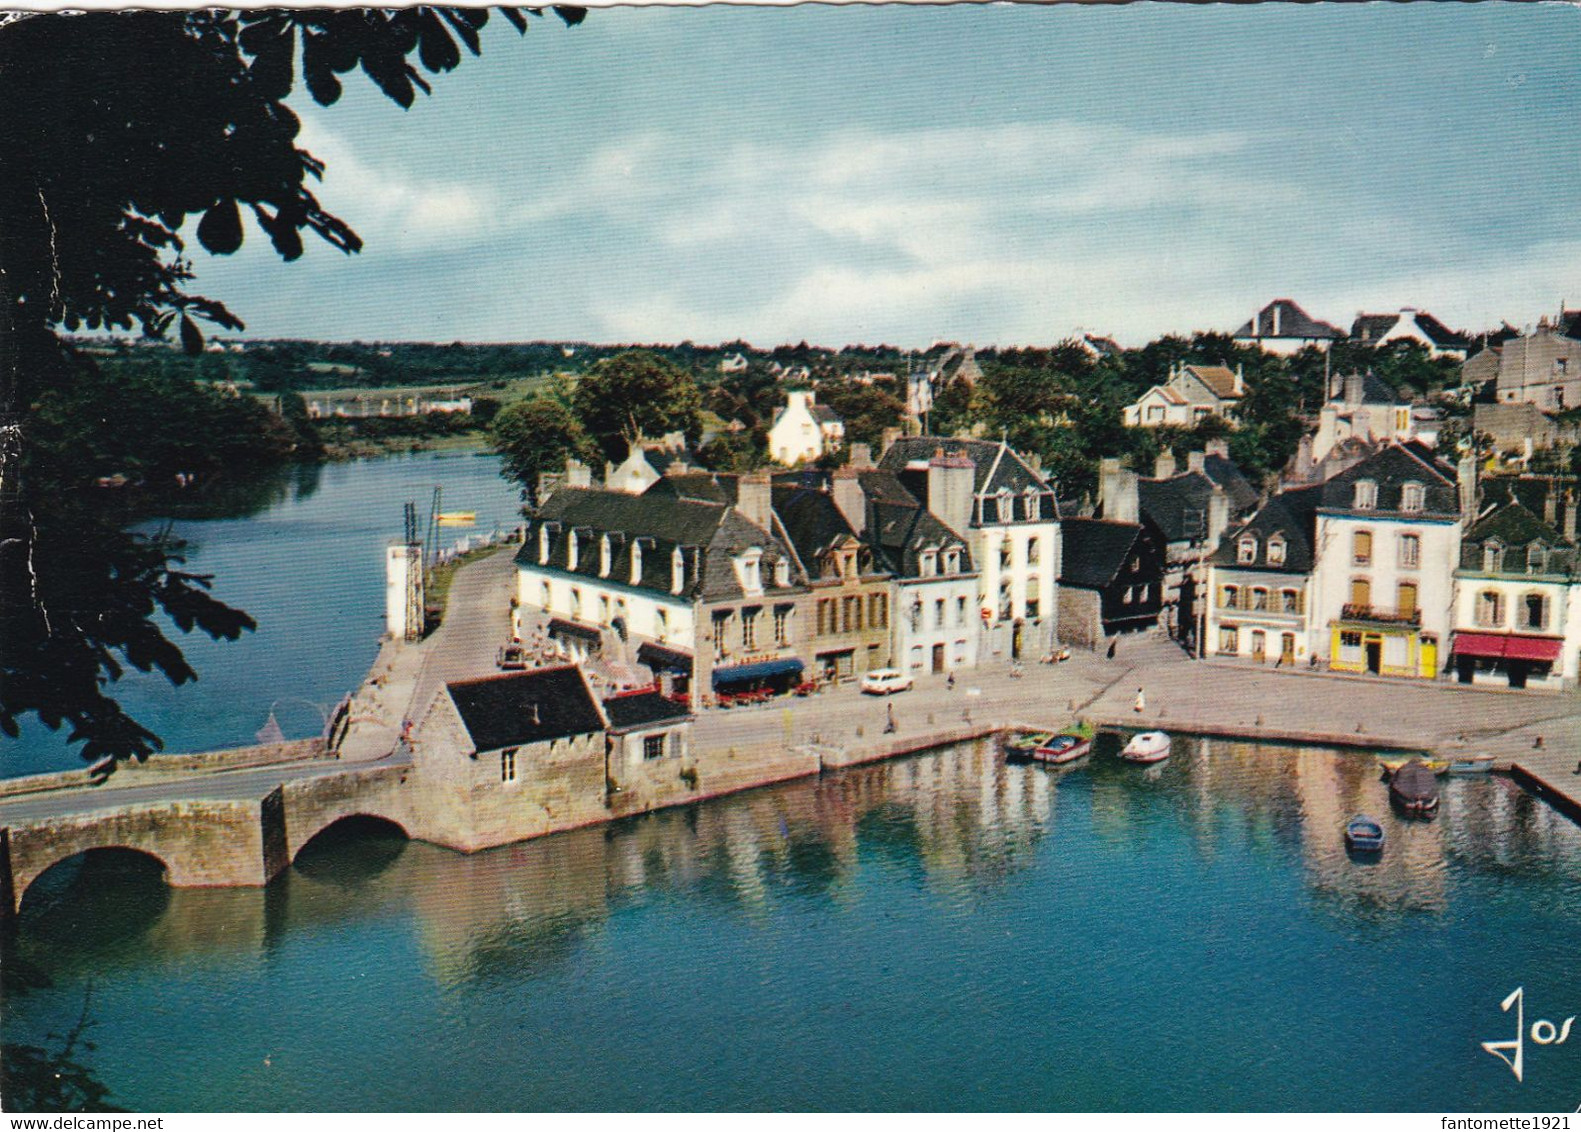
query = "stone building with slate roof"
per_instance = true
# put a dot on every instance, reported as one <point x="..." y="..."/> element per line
<point x="1192" y="394"/>
<point x="1111" y="580"/>
<point x="647" y="744"/>
<point x="1542" y="368"/>
<point x="1006" y="508"/>
<point x="1518" y="601"/>
<point x="1410" y="325"/>
<point x="1258" y="578"/>
<point x="1282" y="327"/>
<point x="1386" y="546"/>
<point x="1362" y="407"/>
<point x="698" y="588"/>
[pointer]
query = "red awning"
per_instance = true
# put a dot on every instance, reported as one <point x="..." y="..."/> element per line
<point x="1496" y="645"/>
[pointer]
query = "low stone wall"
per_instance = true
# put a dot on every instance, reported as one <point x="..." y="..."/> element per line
<point x="160" y="766"/>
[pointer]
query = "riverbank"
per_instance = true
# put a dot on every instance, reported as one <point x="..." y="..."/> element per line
<point x="372" y="448"/>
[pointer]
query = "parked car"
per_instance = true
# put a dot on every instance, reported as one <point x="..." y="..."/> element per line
<point x="885" y="681"/>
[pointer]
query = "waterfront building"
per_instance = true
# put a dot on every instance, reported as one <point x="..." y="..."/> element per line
<point x="1410" y="325"/>
<point x="1192" y="394"/>
<point x="1282" y="327"/>
<point x="648" y="744"/>
<point x="804" y="430"/>
<point x="937" y="626"/>
<point x="700" y="589"/>
<point x="1111" y="579"/>
<point x="1006" y="508"/>
<point x="1259" y="575"/>
<point x="1518" y="599"/>
<point x="1386" y="546"/>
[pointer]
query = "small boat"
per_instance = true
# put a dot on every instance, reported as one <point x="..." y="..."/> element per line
<point x="1148" y="747"/>
<point x="1393" y="766"/>
<point x="1414" y="788"/>
<point x="457" y="518"/>
<point x="1471" y="764"/>
<point x="1363" y="834"/>
<point x="1073" y="743"/>
<point x="1022" y="745"/>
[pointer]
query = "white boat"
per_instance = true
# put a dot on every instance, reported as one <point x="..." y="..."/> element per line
<point x="1471" y="764"/>
<point x="1147" y="747"/>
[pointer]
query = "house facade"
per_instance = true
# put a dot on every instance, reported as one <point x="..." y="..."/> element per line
<point x="1111" y="580"/>
<point x="804" y="430"/>
<point x="1192" y="394"/>
<point x="1259" y="578"/>
<point x="1386" y="545"/>
<point x="1365" y="408"/>
<point x="1007" y="510"/>
<point x="1542" y="368"/>
<point x="1410" y="325"/>
<point x="1282" y="327"/>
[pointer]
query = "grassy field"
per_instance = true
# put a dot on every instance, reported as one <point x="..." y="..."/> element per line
<point x="502" y="389"/>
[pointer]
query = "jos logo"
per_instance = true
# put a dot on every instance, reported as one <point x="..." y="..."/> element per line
<point x="1543" y="1033"/>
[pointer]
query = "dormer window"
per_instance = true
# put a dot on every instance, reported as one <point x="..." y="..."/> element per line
<point x="749" y="570"/>
<point x="1006" y="506"/>
<point x="1413" y="497"/>
<point x="928" y="565"/>
<point x="604" y="557"/>
<point x="782" y="572"/>
<point x="636" y="562"/>
<point x="543" y="544"/>
<point x="1492" y="556"/>
<point x="1366" y="495"/>
<point x="1029" y="499"/>
<point x="952" y="560"/>
<point x="1537" y="558"/>
<point x="1246" y="550"/>
<point x="1276" y="551"/>
<point x="677" y="571"/>
<point x="571" y="549"/>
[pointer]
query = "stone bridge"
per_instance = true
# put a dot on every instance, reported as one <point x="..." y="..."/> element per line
<point x="239" y="828"/>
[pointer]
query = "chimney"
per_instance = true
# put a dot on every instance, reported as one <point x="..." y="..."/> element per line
<point x="1117" y="492"/>
<point x="754" y="499"/>
<point x="1569" y="529"/>
<point x="678" y="467"/>
<point x="1164" y="465"/>
<point x="1240" y="380"/>
<point x="861" y="456"/>
<point x="1276" y="321"/>
<point x="1219" y="448"/>
<point x="1551" y="504"/>
<point x="1468" y="488"/>
<point x="1353" y="389"/>
<point x="1218" y="515"/>
<point x="1197" y="462"/>
<point x="850" y="498"/>
<point x="952" y="484"/>
<point x="887" y="440"/>
<point x="577" y="474"/>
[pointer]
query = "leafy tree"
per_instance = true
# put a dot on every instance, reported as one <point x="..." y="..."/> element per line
<point x="740" y="451"/>
<point x="866" y="409"/>
<point x="153" y="118"/>
<point x="636" y="394"/>
<point x="536" y="436"/>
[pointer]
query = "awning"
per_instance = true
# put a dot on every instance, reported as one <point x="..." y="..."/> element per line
<point x="661" y="659"/>
<point x="559" y="628"/>
<point x="1496" y="645"/>
<point x="758" y="670"/>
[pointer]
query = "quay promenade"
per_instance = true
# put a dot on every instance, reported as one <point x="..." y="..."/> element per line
<point x="239" y="817"/>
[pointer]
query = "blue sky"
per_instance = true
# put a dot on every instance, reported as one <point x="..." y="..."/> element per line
<point x="994" y="174"/>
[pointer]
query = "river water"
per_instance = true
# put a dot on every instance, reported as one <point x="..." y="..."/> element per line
<point x="302" y="550"/>
<point x="938" y="932"/>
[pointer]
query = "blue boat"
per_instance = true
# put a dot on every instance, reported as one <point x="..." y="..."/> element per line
<point x="1363" y="834"/>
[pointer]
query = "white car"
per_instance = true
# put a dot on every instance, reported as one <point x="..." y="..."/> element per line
<point x="884" y="681"/>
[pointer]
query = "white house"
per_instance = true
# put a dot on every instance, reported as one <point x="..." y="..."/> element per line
<point x="1386" y="546"/>
<point x="1410" y="325"/>
<point x="1282" y="327"/>
<point x="1258" y="606"/>
<point x="1191" y="395"/>
<point x="1007" y="510"/>
<point x="804" y="430"/>
<point x="1366" y="408"/>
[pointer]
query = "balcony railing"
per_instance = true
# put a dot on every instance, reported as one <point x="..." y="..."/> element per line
<point x="1384" y="616"/>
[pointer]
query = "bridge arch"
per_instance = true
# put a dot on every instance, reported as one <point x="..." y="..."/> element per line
<point x="358" y="821"/>
<point x="29" y="891"/>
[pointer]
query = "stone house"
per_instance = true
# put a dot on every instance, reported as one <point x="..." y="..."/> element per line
<point x="1365" y="408"/>
<point x="1258" y="578"/>
<point x="648" y="747"/>
<point x="1192" y="394"/>
<point x="1111" y="579"/>
<point x="1542" y="368"/>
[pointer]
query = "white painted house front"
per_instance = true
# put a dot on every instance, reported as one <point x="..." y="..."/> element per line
<point x="804" y="430"/>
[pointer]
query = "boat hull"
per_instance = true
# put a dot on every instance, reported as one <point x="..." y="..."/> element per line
<point x="1148" y="747"/>
<point x="1363" y="835"/>
<point x="1057" y="755"/>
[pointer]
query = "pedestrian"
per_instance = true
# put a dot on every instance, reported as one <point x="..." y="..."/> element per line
<point x="949" y="681"/>
<point x="889" y="728"/>
<point x="1113" y="641"/>
<point x="1140" y="703"/>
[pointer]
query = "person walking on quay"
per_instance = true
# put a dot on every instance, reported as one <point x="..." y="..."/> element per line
<point x="1140" y="703"/>
<point x="889" y="728"/>
<point x="1112" y="643"/>
<point x="949" y="682"/>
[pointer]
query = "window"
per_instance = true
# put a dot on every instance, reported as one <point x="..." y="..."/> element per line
<point x="572" y="549"/>
<point x="576" y="604"/>
<point x="1492" y="557"/>
<point x="1361" y="592"/>
<point x="1259" y="598"/>
<point x="721" y="628"/>
<point x="1229" y="641"/>
<point x="928" y="565"/>
<point x="1537" y="558"/>
<point x="604" y="556"/>
<point x="1490" y="609"/>
<point x="1361" y="548"/>
<point x="952" y="560"/>
<point x="677" y="571"/>
<point x="1246" y="550"/>
<point x="661" y="623"/>
<point x="1413" y="497"/>
<point x="1534" y="612"/>
<point x="1405" y="600"/>
<point x="1365" y="496"/>
<point x="1005" y="605"/>
<point x="1410" y="551"/>
<point x="1004" y="555"/>
<point x="1350" y="640"/>
<point x="653" y="746"/>
<point x="1290" y="601"/>
<point x="1034" y="550"/>
<point x="544" y="595"/>
<point x="1032" y="601"/>
<point x="603" y="609"/>
<point x="1227" y="596"/>
<point x="508" y="764"/>
<point x="543" y="544"/>
<point x="1155" y="412"/>
<point x="1276" y="551"/>
<point x="749" y="628"/>
<point x="878" y="611"/>
<point x="782" y="572"/>
<point x="960" y="611"/>
<point x="636" y="561"/>
<point x="1402" y="423"/>
<point x="782" y="624"/>
<point x="938" y="613"/>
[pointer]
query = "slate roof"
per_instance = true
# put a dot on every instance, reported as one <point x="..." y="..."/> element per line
<point x="823" y="414"/>
<point x="1374" y="391"/>
<point x="699" y="487"/>
<point x="1369" y="328"/>
<point x="1093" y="551"/>
<point x="811" y="521"/>
<point x="642" y="709"/>
<point x="526" y="707"/>
<point x="901" y="532"/>
<point x="1292" y="514"/>
<point x="997" y="467"/>
<point x="1293" y="323"/>
<point x="1519" y="531"/>
<point x="1227" y="474"/>
<point x="1390" y="468"/>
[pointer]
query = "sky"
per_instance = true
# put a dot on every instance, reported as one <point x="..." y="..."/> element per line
<point x="994" y="174"/>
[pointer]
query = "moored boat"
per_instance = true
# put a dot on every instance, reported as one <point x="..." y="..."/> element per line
<point x="1414" y="788"/>
<point x="1022" y="745"/>
<point x="1363" y="834"/>
<point x="1471" y="764"/>
<point x="1392" y="766"/>
<point x="457" y="518"/>
<point x="1147" y="747"/>
<point x="1066" y="747"/>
